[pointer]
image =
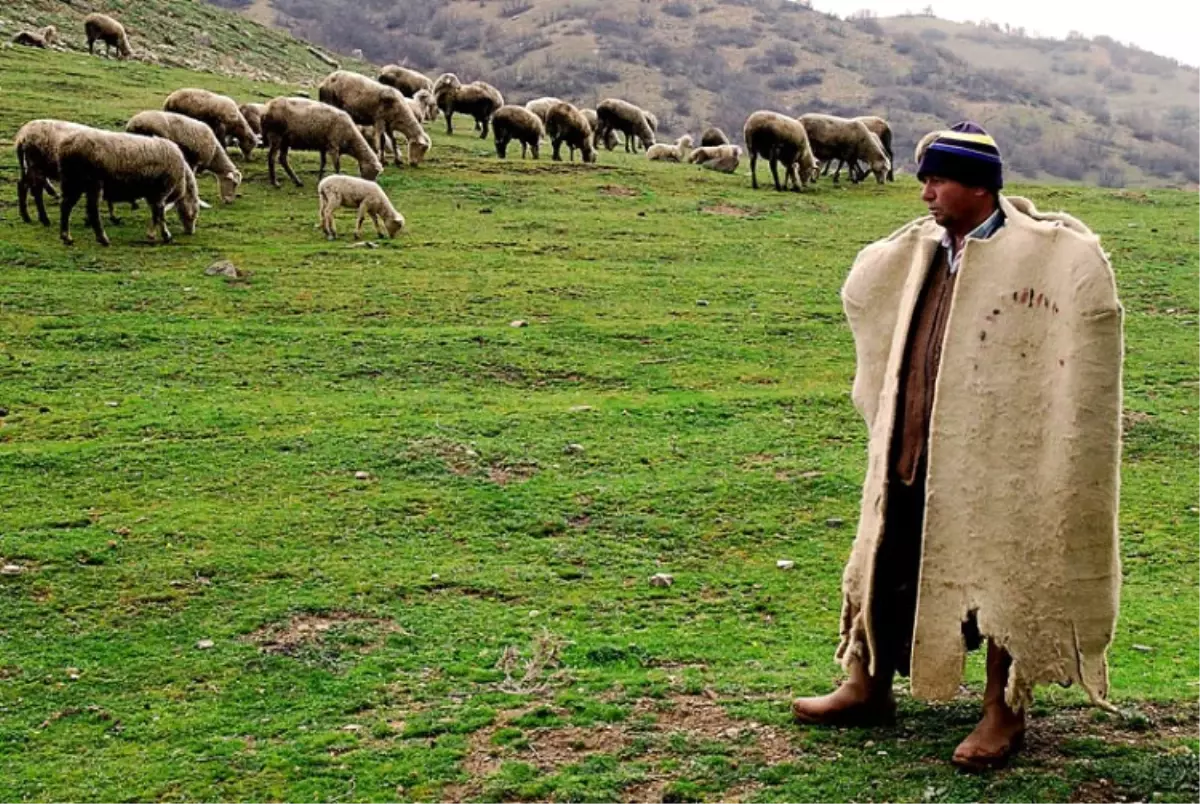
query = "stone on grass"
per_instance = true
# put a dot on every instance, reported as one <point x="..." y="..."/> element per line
<point x="661" y="580"/>
<point x="204" y="644"/>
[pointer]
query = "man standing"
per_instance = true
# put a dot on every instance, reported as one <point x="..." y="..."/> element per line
<point x="989" y="343"/>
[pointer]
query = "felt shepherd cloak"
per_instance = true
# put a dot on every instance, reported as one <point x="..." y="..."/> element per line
<point x="1023" y="455"/>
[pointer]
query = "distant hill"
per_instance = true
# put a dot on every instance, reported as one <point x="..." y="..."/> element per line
<point x="1079" y="110"/>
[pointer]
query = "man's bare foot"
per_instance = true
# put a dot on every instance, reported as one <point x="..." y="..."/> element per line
<point x="996" y="739"/>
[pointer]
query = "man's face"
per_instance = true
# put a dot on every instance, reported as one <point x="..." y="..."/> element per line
<point x="951" y="202"/>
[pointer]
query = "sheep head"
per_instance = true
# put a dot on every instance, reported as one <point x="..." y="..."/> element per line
<point x="394" y="225"/>
<point x="417" y="149"/>
<point x="228" y="184"/>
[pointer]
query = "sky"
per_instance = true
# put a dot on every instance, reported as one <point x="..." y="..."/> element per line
<point x="1164" y="27"/>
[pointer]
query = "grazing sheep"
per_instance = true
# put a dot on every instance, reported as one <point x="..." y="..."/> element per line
<point x="540" y="106"/>
<point x="478" y="99"/>
<point x="723" y="158"/>
<point x="44" y="38"/>
<point x="847" y="140"/>
<point x="517" y="123"/>
<point x="370" y="103"/>
<point x="218" y="112"/>
<point x="408" y="82"/>
<point x="36" y="145"/>
<point x="671" y="153"/>
<point x="198" y="143"/>
<point x="565" y="123"/>
<point x="779" y="138"/>
<point x="108" y="31"/>
<point x="880" y="128"/>
<point x="367" y="197"/>
<point x="713" y="136"/>
<point x="125" y="167"/>
<point x="309" y="125"/>
<point x="630" y="120"/>
<point x="610" y="140"/>
<point x="253" y="113"/>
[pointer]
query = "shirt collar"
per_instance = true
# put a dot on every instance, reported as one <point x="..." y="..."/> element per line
<point x="981" y="232"/>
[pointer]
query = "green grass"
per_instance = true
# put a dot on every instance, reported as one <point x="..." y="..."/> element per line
<point x="178" y="455"/>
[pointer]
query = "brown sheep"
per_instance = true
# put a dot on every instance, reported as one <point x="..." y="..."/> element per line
<point x="848" y="140"/>
<point x="36" y="145"/>
<point x="125" y="167"/>
<point x="253" y="113"/>
<point x="565" y="123"/>
<point x="218" y="112"/>
<point x="610" y="140"/>
<point x="309" y="125"/>
<point x="108" y="31"/>
<point x="408" y="82"/>
<point x="198" y="143"/>
<point x="880" y="128"/>
<point x="478" y="99"/>
<point x="517" y="123"/>
<point x="779" y="138"/>
<point x="713" y="136"/>
<point x="44" y="38"/>
<point x="630" y="120"/>
<point x="370" y="103"/>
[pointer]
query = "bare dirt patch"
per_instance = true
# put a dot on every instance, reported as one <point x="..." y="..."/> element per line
<point x="307" y="630"/>
<point x="504" y="473"/>
<point x="728" y="210"/>
<point x="619" y="191"/>
<point x="1132" y="418"/>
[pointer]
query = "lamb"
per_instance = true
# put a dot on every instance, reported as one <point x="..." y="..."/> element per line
<point x="253" y="113"/>
<point x="44" y="38"/>
<point x="218" y="112"/>
<point x="713" y="136"/>
<point x="108" y="31"/>
<point x="423" y="106"/>
<point x="125" y="167"/>
<point x="478" y="99"/>
<point x="848" y="140"/>
<point x="369" y="102"/>
<point x="723" y="158"/>
<point x="517" y="122"/>
<point x="36" y="145"/>
<point x="779" y="138"/>
<point x="365" y="196"/>
<point x="630" y="120"/>
<point x="199" y="145"/>
<point x="314" y="126"/>
<point x="408" y="82"/>
<point x="565" y="123"/>
<point x="610" y="140"/>
<point x="671" y="153"/>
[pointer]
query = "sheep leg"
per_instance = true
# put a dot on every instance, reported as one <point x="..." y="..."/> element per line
<point x="23" y="199"/>
<point x="70" y="197"/>
<point x="93" y="211"/>
<point x="449" y="118"/>
<point x="362" y="214"/>
<point x="38" y="188"/>
<point x="337" y="161"/>
<point x="327" y="219"/>
<point x="283" y="160"/>
<point x="378" y="229"/>
<point x="159" y="215"/>
<point x="557" y="155"/>
<point x="483" y="132"/>
<point x="533" y="148"/>
<point x="379" y="143"/>
<point x="272" y="151"/>
<point x="753" y="169"/>
<point x="395" y="147"/>
<point x="321" y="172"/>
<point x="501" y="143"/>
<point x="91" y="47"/>
<point x="775" y="172"/>
<point x="837" y="173"/>
<point x="112" y="213"/>
<point x="524" y="150"/>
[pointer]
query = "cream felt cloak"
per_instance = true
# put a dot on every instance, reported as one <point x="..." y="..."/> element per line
<point x="1024" y="450"/>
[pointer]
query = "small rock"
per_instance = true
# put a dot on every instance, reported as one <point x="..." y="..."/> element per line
<point x="352" y="727"/>
<point x="1143" y="648"/>
<point x="810" y="475"/>
<point x="73" y="673"/>
<point x="485" y="211"/>
<point x="224" y="268"/>
<point x="834" y="522"/>
<point x="784" y="564"/>
<point x="362" y="475"/>
<point x="364" y="244"/>
<point x="573" y="449"/>
<point x="136" y="274"/>
<point x="572" y="409"/>
<point x="204" y="644"/>
<point x="534" y="613"/>
<point x="11" y="569"/>
<point x="518" y="324"/>
<point x="662" y="580"/>
<point x="701" y="302"/>
<point x="112" y="404"/>
<point x="869" y="744"/>
<point x="641" y="214"/>
<point x="435" y="577"/>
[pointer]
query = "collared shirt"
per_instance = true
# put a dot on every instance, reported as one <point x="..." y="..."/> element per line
<point x="981" y="232"/>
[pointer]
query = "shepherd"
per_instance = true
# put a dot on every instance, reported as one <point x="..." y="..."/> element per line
<point x="989" y="349"/>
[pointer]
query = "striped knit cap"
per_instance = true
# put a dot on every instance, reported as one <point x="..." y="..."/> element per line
<point x="964" y="153"/>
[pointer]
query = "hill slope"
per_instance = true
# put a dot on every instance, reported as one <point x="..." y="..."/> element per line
<point x="1079" y="110"/>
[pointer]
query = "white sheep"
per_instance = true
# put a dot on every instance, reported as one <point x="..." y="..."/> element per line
<point x="678" y="152"/>
<point x="367" y="197"/>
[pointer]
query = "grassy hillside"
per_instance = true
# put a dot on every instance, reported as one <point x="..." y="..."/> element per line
<point x="202" y="599"/>
<point x="1079" y="110"/>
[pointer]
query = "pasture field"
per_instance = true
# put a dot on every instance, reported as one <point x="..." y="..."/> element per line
<point x="204" y="601"/>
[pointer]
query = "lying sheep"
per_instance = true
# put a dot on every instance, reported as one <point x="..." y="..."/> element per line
<point x="408" y="82"/>
<point x="108" y="31"/>
<point x="198" y="143"/>
<point x="847" y="140"/>
<point x="723" y="158"/>
<point x="517" y="123"/>
<point x="478" y="99"/>
<point x="44" y="38"/>
<point x="671" y="153"/>
<point x="713" y="136"/>
<point x="218" y="112"/>
<point x="370" y="103"/>
<point x="36" y="145"/>
<point x="565" y="123"/>
<point x="610" y="140"/>
<point x="253" y="113"/>
<point x="779" y="138"/>
<point x="367" y="197"/>
<point x="309" y="125"/>
<point x="125" y="167"/>
<point x="630" y="120"/>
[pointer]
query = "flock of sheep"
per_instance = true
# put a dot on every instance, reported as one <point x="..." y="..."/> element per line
<point x="157" y="156"/>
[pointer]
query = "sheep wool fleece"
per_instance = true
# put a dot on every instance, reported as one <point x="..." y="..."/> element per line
<point x="1023" y="455"/>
